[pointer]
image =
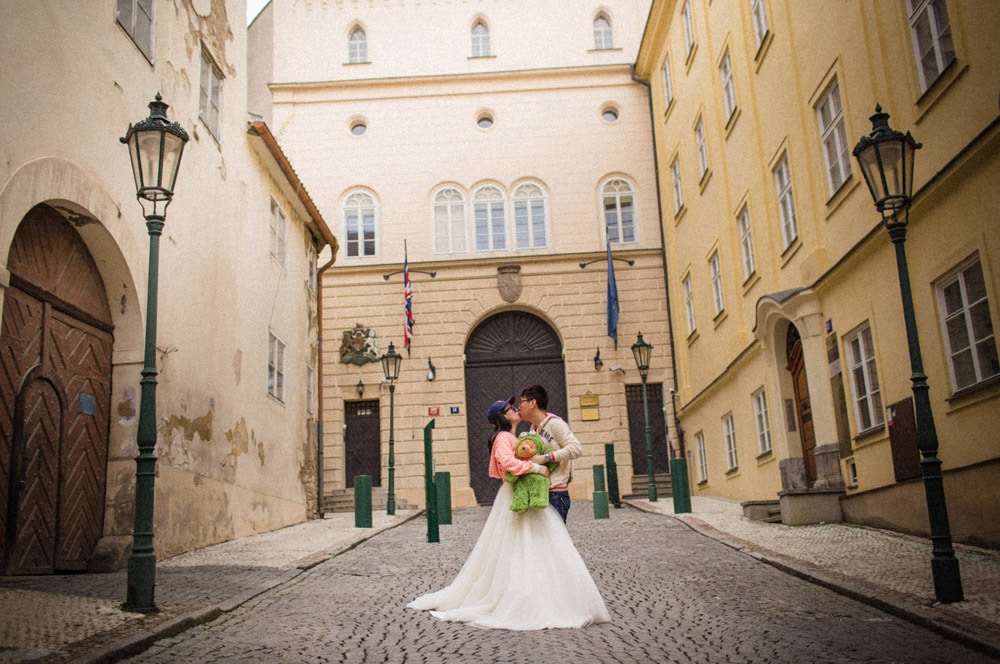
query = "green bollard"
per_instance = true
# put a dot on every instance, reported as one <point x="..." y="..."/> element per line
<point x="363" y="501"/>
<point x="442" y="481"/>
<point x="430" y="495"/>
<point x="681" y="490"/>
<point x="600" y="495"/>
<point x="609" y="459"/>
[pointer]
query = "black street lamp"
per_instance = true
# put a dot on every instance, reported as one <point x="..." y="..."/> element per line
<point x="390" y="367"/>
<point x="886" y="159"/>
<point x="642" y="352"/>
<point x="155" y="146"/>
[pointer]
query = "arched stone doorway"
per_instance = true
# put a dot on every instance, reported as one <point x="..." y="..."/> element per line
<point x="504" y="354"/>
<point x="55" y="393"/>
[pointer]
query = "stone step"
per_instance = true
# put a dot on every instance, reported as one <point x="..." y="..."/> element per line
<point x="342" y="500"/>
<point x="640" y="486"/>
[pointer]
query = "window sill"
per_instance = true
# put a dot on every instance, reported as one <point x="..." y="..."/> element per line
<point x="790" y="251"/>
<point x="604" y="50"/>
<point x="732" y="472"/>
<point x="981" y="388"/>
<point x="690" y="57"/>
<point x="928" y="99"/>
<point x="705" y="177"/>
<point x="354" y="64"/>
<point x="869" y="436"/>
<point x="668" y="110"/>
<point x="692" y="337"/>
<point x="703" y="483"/>
<point x="750" y="282"/>
<point x="762" y="50"/>
<point x="720" y="318"/>
<point x="764" y="457"/>
<point x="482" y="57"/>
<point x="839" y="196"/>
<point x="731" y="123"/>
<point x="679" y="214"/>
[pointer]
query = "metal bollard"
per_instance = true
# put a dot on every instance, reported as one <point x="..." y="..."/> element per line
<point x="681" y="490"/>
<point x="600" y="495"/>
<point x="609" y="459"/>
<point x="442" y="481"/>
<point x="430" y="495"/>
<point x="362" y="501"/>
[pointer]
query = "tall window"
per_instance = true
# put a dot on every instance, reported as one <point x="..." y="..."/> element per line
<point x="688" y="27"/>
<point x="675" y="174"/>
<point x="480" y="40"/>
<point x="699" y="444"/>
<point x="834" y="137"/>
<point x="488" y="208"/>
<point x="864" y="379"/>
<point x="786" y="202"/>
<point x="968" y="327"/>
<point x="211" y="94"/>
<point x="689" y="304"/>
<point x="668" y="86"/>
<point x="746" y="244"/>
<point x="449" y="221"/>
<point x="136" y="16"/>
<point x="759" y="13"/>
<point x="311" y="258"/>
<point x="530" y="225"/>
<point x="619" y="211"/>
<point x="729" y="433"/>
<point x="762" y="421"/>
<point x="359" y="224"/>
<point x="932" y="42"/>
<point x="275" y="366"/>
<point x="357" y="46"/>
<point x="716" y="270"/>
<point x="728" y="91"/>
<point x="602" y="33"/>
<point x="699" y="138"/>
<point x="279" y="233"/>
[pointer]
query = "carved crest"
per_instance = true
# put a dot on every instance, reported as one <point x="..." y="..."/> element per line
<point x="509" y="282"/>
<point x="359" y="346"/>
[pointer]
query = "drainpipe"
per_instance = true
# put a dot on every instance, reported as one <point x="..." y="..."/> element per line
<point x="319" y="383"/>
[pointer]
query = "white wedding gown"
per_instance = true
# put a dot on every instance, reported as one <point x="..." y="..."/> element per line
<point x="524" y="573"/>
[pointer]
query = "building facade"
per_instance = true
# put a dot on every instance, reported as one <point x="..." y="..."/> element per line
<point x="794" y="375"/>
<point x="235" y="433"/>
<point x="497" y="148"/>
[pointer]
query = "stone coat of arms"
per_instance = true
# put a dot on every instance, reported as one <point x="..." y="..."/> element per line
<point x="359" y="346"/>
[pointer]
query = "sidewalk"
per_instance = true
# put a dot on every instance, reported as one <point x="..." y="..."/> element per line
<point x="77" y="618"/>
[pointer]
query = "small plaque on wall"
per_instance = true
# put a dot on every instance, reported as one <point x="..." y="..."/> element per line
<point x="433" y="410"/>
<point x="590" y="414"/>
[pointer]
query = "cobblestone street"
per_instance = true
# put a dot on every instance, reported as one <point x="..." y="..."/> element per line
<point x="673" y="594"/>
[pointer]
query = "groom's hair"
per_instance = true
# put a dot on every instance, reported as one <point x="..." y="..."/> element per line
<point x="538" y="393"/>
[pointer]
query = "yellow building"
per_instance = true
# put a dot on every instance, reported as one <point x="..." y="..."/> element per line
<point x="791" y="350"/>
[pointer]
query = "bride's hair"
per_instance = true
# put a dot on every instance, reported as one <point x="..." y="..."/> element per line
<point x="502" y="424"/>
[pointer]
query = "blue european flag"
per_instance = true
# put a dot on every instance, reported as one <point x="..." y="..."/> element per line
<point x="612" y="300"/>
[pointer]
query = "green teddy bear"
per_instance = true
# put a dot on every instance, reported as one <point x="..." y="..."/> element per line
<point x="531" y="490"/>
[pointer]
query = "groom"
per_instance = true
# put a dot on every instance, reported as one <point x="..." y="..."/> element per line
<point x="556" y="433"/>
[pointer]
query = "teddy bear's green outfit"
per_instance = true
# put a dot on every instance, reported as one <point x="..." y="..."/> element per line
<point x="531" y="490"/>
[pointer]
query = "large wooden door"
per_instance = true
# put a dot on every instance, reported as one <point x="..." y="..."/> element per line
<point x="362" y="446"/>
<point x="55" y="395"/>
<point x="803" y="407"/>
<point x="637" y="429"/>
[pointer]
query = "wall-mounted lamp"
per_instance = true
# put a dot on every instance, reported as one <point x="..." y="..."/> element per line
<point x="431" y="371"/>
<point x="361" y="389"/>
<point x="598" y="362"/>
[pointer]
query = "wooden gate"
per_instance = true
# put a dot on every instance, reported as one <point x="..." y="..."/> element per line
<point x="362" y="451"/>
<point x="505" y="354"/>
<point x="803" y="406"/>
<point x="55" y="395"/>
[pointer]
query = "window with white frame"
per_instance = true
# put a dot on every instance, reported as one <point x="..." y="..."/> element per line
<point x="449" y="221"/>
<point x="602" y="33"/>
<point x="275" y="366"/>
<point x="279" y="233"/>
<point x="210" y="97"/>
<point x="619" y="211"/>
<point x="688" y="27"/>
<point x="675" y="174"/>
<point x="310" y="388"/>
<point x="530" y="216"/>
<point x="136" y="16"/>
<point x="699" y="138"/>
<point x="964" y="306"/>
<point x="834" y="138"/>
<point x="668" y="86"/>
<point x="490" y="217"/>
<point x="480" y="40"/>
<point x="728" y="90"/>
<point x="359" y="224"/>
<point x="759" y="14"/>
<point x="932" y="40"/>
<point x="699" y="446"/>
<point x="746" y="244"/>
<point x="357" y="46"/>
<point x="864" y="379"/>
<point x="715" y="268"/>
<point x="729" y="434"/>
<point x="762" y="421"/>
<point x="786" y="202"/>
<point x="689" y="304"/>
<point x="311" y="259"/>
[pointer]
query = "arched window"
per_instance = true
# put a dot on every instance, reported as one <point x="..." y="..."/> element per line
<point x="488" y="208"/>
<point x="619" y="211"/>
<point x="530" y="217"/>
<point x="449" y="221"/>
<point x="480" y="40"/>
<point x="357" y="50"/>
<point x="602" y="33"/>
<point x="359" y="224"/>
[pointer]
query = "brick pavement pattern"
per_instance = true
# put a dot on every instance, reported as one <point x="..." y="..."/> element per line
<point x="673" y="594"/>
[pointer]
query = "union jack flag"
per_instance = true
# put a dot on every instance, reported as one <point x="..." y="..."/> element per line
<point x="408" y="295"/>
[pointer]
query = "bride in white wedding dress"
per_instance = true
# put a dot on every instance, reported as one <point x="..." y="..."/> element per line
<point x="524" y="572"/>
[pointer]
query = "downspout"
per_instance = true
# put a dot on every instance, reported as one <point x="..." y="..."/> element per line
<point x="319" y="386"/>
<point x="663" y="255"/>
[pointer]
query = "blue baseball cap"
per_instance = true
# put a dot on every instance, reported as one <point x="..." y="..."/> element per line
<point x="497" y="408"/>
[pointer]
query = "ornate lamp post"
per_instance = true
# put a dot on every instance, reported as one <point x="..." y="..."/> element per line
<point x="155" y="146"/>
<point x="390" y="367"/>
<point x="642" y="352"/>
<point x="886" y="160"/>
